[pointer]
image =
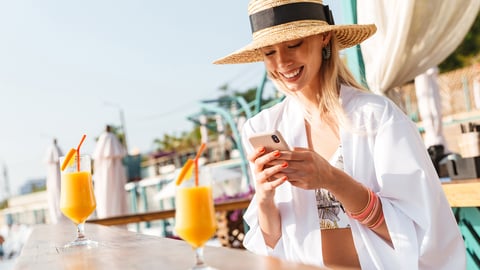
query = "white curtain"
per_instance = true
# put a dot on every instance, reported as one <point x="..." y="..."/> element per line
<point x="411" y="37"/>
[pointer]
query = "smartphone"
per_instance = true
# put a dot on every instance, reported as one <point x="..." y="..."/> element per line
<point x="270" y="140"/>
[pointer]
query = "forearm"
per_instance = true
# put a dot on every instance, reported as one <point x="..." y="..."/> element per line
<point x="270" y="222"/>
<point x="354" y="197"/>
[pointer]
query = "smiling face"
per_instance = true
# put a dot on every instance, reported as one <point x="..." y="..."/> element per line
<point x="296" y="63"/>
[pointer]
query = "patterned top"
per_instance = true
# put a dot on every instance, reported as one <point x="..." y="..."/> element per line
<point x="330" y="211"/>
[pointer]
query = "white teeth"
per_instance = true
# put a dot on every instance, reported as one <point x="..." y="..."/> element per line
<point x="291" y="74"/>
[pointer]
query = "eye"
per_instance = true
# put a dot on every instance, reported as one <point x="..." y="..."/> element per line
<point x="296" y="45"/>
<point x="268" y="52"/>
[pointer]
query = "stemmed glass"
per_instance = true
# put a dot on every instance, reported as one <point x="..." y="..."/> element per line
<point x="195" y="220"/>
<point x="77" y="200"/>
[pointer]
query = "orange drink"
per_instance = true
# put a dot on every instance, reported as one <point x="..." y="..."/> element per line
<point x="195" y="220"/>
<point x="77" y="200"/>
<point x="195" y="215"/>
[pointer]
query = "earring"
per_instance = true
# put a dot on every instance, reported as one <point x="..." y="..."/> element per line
<point x="326" y="52"/>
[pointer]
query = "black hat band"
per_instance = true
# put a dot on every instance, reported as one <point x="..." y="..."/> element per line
<point x="290" y="13"/>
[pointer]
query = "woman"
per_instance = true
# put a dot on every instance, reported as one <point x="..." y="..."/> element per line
<point x="358" y="189"/>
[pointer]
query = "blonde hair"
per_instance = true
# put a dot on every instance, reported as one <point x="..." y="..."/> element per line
<point x="333" y="74"/>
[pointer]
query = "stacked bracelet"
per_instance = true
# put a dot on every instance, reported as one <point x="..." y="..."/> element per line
<point x="378" y="222"/>
<point x="371" y="215"/>
<point x="362" y="214"/>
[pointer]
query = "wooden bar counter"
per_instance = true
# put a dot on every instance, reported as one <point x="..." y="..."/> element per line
<point x="463" y="193"/>
<point x="122" y="249"/>
<point x="464" y="198"/>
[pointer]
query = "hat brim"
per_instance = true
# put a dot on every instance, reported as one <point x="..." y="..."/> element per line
<point x="347" y="36"/>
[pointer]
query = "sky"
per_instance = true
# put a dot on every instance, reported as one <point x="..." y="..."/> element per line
<point x="69" y="68"/>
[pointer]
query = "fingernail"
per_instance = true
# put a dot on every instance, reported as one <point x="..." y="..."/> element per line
<point x="276" y="153"/>
<point x="284" y="177"/>
<point x="285" y="164"/>
<point x="261" y="150"/>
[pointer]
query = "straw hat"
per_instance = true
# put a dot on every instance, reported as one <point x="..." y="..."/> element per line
<point x="275" y="21"/>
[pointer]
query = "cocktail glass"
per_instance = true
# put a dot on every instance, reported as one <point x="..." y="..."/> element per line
<point x="195" y="220"/>
<point x="77" y="200"/>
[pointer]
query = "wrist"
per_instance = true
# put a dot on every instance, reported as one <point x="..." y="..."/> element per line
<point x="266" y="203"/>
<point x="334" y="179"/>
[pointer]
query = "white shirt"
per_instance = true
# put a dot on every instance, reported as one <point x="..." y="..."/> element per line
<point x="384" y="153"/>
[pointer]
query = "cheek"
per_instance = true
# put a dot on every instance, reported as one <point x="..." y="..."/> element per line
<point x="270" y="67"/>
<point x="314" y="61"/>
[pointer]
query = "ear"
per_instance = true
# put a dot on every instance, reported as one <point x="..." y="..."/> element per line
<point x="326" y="37"/>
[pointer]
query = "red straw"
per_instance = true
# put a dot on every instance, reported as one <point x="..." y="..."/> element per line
<point x="199" y="153"/>
<point x="78" y="151"/>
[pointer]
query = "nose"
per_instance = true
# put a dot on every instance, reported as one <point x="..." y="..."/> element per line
<point x="283" y="58"/>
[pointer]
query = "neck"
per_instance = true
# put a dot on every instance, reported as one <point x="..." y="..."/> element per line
<point x="310" y="98"/>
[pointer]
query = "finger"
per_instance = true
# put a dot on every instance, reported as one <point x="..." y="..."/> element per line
<point x="258" y="152"/>
<point x="277" y="182"/>
<point x="275" y="162"/>
<point x="277" y="176"/>
<point x="268" y="173"/>
<point x="266" y="160"/>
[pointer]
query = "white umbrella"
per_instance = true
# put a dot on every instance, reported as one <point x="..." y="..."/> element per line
<point x="53" y="182"/>
<point x="109" y="176"/>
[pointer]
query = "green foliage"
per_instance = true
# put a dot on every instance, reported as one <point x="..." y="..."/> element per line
<point x="249" y="95"/>
<point x="36" y="188"/>
<point x="184" y="142"/>
<point x="467" y="52"/>
<point x="3" y="204"/>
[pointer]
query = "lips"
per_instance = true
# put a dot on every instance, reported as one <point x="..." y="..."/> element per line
<point x="292" y="74"/>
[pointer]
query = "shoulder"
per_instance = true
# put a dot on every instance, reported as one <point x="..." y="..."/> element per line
<point x="357" y="103"/>
<point x="353" y="98"/>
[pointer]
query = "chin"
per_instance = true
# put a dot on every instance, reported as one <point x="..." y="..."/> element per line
<point x="292" y="88"/>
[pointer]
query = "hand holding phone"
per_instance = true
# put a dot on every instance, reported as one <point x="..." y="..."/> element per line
<point x="272" y="140"/>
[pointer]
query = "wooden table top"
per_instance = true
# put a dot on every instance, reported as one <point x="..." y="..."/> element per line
<point x="463" y="193"/>
<point x="122" y="249"/>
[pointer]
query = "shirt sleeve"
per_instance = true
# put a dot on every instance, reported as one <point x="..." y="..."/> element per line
<point x="254" y="240"/>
